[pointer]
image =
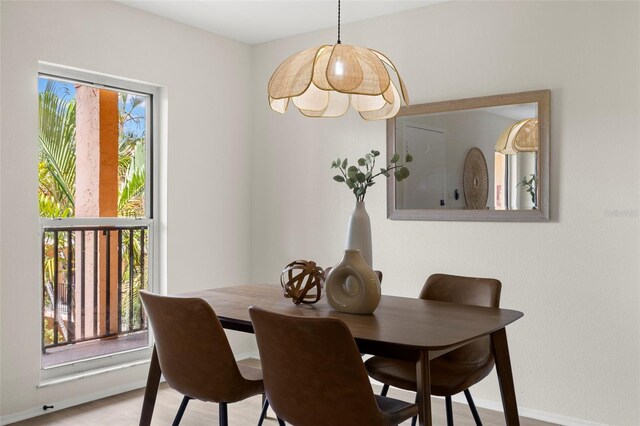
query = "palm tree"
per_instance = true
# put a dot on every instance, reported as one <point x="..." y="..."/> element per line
<point x="57" y="154"/>
<point x="57" y="174"/>
<point x="57" y="163"/>
<point x="131" y="157"/>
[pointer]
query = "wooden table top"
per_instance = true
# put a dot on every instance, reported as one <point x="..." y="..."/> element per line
<point x="399" y="321"/>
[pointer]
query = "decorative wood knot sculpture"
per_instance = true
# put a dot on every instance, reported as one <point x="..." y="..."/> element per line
<point x="302" y="281"/>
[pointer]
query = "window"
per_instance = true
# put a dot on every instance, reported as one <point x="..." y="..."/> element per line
<point x="95" y="197"/>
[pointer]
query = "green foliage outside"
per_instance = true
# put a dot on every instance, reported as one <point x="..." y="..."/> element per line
<point x="56" y="189"/>
<point x="57" y="154"/>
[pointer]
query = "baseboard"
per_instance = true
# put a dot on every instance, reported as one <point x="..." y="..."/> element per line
<point x="61" y="405"/>
<point x="482" y="403"/>
<point x="530" y="413"/>
<point x="522" y="411"/>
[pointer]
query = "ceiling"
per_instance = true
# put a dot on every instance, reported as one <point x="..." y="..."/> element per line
<point x="259" y="21"/>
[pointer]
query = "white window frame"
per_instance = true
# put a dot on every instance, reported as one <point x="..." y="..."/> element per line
<point x="109" y="362"/>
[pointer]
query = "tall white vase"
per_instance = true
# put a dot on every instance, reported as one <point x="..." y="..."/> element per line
<point x="359" y="233"/>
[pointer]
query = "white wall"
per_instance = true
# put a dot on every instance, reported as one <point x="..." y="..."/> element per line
<point x="465" y="130"/>
<point x="576" y="352"/>
<point x="205" y="154"/>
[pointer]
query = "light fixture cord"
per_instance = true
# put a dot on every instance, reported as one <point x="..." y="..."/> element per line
<point x="338" y="21"/>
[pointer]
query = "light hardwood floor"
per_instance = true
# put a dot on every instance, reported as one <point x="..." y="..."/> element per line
<point x="124" y="409"/>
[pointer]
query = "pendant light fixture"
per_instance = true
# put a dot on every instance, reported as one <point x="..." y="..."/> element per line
<point x="324" y="81"/>
<point x="521" y="137"/>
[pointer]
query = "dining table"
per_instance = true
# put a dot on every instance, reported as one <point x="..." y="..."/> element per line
<point x="404" y="328"/>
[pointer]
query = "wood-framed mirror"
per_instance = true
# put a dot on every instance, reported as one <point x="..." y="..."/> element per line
<point x="476" y="159"/>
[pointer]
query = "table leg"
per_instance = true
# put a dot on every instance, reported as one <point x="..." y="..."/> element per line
<point x="424" y="389"/>
<point x="151" y="391"/>
<point x="505" y="377"/>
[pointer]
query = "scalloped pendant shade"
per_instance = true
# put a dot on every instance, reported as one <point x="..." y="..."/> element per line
<point x="325" y="81"/>
<point x="521" y="137"/>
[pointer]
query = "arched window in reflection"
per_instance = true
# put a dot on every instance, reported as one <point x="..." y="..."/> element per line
<point x="516" y="166"/>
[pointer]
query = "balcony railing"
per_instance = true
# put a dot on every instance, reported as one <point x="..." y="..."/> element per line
<point x="92" y="276"/>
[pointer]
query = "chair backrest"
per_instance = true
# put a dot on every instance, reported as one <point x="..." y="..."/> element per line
<point x="193" y="350"/>
<point x="312" y="371"/>
<point x="467" y="291"/>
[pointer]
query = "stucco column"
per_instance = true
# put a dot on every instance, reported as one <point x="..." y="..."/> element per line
<point x="97" y="196"/>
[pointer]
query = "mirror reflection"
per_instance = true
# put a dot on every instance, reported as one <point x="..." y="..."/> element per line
<point x="482" y="154"/>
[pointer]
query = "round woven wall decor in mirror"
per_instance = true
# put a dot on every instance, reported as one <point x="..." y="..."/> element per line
<point x="475" y="180"/>
<point x="439" y="135"/>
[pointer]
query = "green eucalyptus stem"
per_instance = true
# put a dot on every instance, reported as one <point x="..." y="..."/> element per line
<point x="358" y="180"/>
<point x="529" y="186"/>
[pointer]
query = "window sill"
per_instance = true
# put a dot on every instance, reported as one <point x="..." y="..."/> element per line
<point x="89" y="373"/>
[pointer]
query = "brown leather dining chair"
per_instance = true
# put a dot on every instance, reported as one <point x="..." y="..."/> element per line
<point x="314" y="376"/>
<point x="195" y="357"/>
<point x="459" y="369"/>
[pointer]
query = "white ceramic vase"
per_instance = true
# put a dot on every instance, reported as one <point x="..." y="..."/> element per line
<point x="362" y="295"/>
<point x="359" y="233"/>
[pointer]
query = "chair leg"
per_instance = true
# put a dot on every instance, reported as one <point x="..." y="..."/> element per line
<point x="385" y="389"/>
<point x="449" y="407"/>
<point x="414" y="420"/>
<point x="472" y="407"/>
<point x="265" y="407"/>
<point x="222" y="410"/>
<point x="183" y="406"/>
